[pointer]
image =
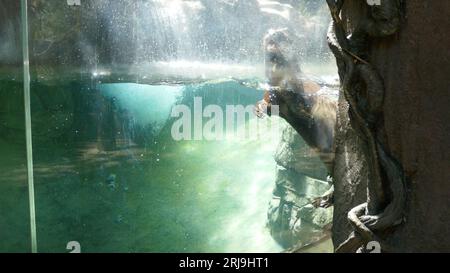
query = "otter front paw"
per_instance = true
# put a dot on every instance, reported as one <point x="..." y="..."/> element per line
<point x="325" y="200"/>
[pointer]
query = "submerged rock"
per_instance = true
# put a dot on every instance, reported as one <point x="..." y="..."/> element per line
<point x="301" y="177"/>
<point x="294" y="154"/>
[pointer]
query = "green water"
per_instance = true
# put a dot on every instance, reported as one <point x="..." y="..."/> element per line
<point x="191" y="197"/>
<point x="168" y="196"/>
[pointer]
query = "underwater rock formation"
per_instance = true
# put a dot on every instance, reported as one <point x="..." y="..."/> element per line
<point x="301" y="177"/>
<point x="294" y="154"/>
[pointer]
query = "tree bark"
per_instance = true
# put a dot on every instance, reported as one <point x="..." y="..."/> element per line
<point x="414" y="65"/>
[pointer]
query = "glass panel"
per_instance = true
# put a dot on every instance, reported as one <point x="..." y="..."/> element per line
<point x="111" y="84"/>
<point x="14" y="206"/>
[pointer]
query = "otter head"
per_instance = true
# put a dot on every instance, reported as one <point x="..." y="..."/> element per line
<point x="280" y="57"/>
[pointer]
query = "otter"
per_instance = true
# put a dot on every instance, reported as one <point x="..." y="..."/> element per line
<point x="300" y="103"/>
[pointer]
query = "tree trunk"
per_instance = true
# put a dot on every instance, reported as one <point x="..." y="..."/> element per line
<point x="415" y="67"/>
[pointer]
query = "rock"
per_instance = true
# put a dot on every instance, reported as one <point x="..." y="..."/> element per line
<point x="293" y="154"/>
<point x="300" y="183"/>
<point x="320" y="217"/>
<point x="292" y="220"/>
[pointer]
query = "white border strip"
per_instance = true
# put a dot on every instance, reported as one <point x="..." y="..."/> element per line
<point x="29" y="140"/>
